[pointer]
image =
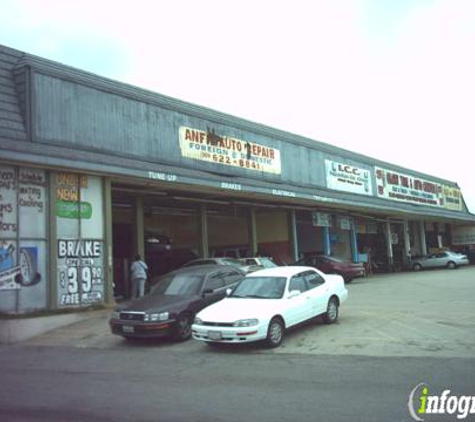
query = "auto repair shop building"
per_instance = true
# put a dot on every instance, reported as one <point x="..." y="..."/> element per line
<point x="93" y="171"/>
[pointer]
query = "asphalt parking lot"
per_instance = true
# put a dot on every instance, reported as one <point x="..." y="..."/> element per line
<point x="428" y="313"/>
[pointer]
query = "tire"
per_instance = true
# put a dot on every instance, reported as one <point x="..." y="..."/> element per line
<point x="452" y="265"/>
<point x="331" y="315"/>
<point x="417" y="267"/>
<point x="275" y="333"/>
<point x="182" y="327"/>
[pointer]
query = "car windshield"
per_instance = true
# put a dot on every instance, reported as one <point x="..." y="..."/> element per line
<point x="179" y="284"/>
<point x="200" y="262"/>
<point x="267" y="263"/>
<point x="260" y="288"/>
<point x="232" y="261"/>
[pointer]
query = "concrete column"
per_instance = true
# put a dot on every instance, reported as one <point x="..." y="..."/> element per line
<point x="53" y="245"/>
<point x="252" y="226"/>
<point x="139" y="241"/>
<point x="327" y="248"/>
<point x="422" y="232"/>
<point x="292" y="223"/>
<point x="389" y="245"/>
<point x="108" y="257"/>
<point x="203" y="246"/>
<point x="407" y="241"/>
<point x="354" y="242"/>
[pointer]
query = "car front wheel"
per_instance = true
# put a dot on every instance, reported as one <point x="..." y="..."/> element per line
<point x="275" y="333"/>
<point x="417" y="267"/>
<point x="331" y="315"/>
<point x="183" y="327"/>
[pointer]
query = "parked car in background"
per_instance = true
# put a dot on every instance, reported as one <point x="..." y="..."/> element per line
<point x="262" y="262"/>
<point x="332" y="265"/>
<point x="173" y="301"/>
<point x="267" y="302"/>
<point x="222" y="261"/>
<point x="445" y="259"/>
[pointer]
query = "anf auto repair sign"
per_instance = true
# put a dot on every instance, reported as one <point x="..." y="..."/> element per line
<point x="220" y="149"/>
<point x="348" y="178"/>
<point x="80" y="272"/>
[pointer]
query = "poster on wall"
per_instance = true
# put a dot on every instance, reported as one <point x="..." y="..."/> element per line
<point x="32" y="203"/>
<point x="8" y="200"/>
<point x="80" y="272"/>
<point x="80" y="228"/>
<point x="220" y="149"/>
<point x="401" y="187"/>
<point x="348" y="178"/>
<point x="18" y="270"/>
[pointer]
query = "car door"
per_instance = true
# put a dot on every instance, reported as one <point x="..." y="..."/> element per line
<point x="298" y="308"/>
<point x="319" y="292"/>
<point x="213" y="288"/>
<point x="231" y="277"/>
<point x="442" y="259"/>
<point x="437" y="260"/>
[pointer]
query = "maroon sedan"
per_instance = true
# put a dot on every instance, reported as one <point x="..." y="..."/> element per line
<point x="332" y="265"/>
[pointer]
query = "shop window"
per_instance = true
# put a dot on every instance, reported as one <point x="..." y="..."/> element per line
<point x="23" y="239"/>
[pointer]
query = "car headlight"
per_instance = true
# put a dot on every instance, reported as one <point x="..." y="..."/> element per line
<point x="198" y="321"/>
<point x="115" y="315"/>
<point x="246" y="322"/>
<point x="157" y="316"/>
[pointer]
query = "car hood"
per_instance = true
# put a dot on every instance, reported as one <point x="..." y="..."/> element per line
<point x="159" y="303"/>
<point x="232" y="309"/>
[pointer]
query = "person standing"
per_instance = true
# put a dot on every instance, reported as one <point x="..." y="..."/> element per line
<point x="138" y="274"/>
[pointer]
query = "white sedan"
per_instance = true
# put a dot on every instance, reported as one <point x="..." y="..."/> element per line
<point x="267" y="302"/>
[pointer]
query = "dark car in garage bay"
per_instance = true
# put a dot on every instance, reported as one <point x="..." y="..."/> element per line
<point x="333" y="265"/>
<point x="174" y="299"/>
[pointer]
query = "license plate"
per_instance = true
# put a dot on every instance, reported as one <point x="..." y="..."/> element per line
<point x="215" y="335"/>
<point x="128" y="329"/>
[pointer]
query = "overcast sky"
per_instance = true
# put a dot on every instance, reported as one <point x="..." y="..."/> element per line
<point x="392" y="79"/>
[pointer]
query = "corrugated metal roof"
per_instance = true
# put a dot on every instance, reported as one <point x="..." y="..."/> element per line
<point x="119" y="88"/>
<point x="12" y="124"/>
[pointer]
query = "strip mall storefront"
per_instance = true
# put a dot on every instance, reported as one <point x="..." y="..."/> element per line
<point x="93" y="171"/>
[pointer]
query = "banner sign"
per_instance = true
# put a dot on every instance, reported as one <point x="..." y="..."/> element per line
<point x="321" y="219"/>
<point x="452" y="198"/>
<point x="348" y="178"/>
<point x="211" y="147"/>
<point x="405" y="188"/>
<point x="80" y="272"/>
<point x="401" y="187"/>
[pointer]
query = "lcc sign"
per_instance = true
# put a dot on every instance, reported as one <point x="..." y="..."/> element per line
<point x="348" y="178"/>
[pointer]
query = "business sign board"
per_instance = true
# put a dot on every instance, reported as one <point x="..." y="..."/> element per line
<point x="463" y="235"/>
<point x="404" y="188"/>
<point x="452" y="198"/>
<point x="348" y="178"/>
<point x="321" y="219"/>
<point x="220" y="149"/>
<point x="80" y="272"/>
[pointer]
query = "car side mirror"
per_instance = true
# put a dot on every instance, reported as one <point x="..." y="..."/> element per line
<point x="207" y="292"/>
<point x="294" y="293"/>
